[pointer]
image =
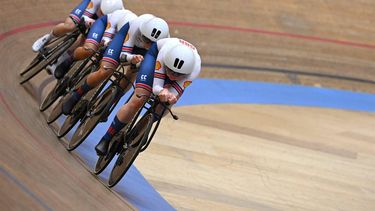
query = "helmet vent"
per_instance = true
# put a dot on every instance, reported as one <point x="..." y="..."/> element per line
<point x="178" y="63"/>
<point x="155" y="33"/>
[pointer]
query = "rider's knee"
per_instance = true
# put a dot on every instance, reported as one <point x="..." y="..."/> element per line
<point x="136" y="103"/>
<point x="69" y="24"/>
<point x="81" y="53"/>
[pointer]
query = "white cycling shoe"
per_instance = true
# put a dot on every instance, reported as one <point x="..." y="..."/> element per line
<point x="41" y="42"/>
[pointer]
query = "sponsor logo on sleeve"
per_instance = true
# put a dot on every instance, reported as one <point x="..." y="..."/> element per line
<point x="91" y="5"/>
<point x="187" y="83"/>
<point x="157" y="65"/>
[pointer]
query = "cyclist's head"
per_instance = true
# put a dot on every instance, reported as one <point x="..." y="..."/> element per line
<point x="179" y="60"/>
<point x="109" y="6"/>
<point x="153" y="29"/>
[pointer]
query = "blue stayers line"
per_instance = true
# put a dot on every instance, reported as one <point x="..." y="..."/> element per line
<point x="24" y="188"/>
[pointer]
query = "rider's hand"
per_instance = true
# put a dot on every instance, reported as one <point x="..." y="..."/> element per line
<point x="164" y="95"/>
<point x="137" y="59"/>
<point x="105" y="42"/>
<point x="172" y="99"/>
<point x="89" y="22"/>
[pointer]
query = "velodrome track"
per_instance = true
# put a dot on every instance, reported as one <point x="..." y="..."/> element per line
<point x="242" y="145"/>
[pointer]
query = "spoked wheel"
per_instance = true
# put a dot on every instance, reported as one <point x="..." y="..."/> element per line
<point x="98" y="111"/>
<point x="114" y="147"/>
<point x="55" y="93"/>
<point x="55" y="113"/>
<point x="138" y="136"/>
<point x="26" y="76"/>
<point x="39" y="57"/>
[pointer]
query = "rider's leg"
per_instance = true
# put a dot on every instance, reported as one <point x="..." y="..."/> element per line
<point x="127" y="82"/>
<point x="93" y="80"/>
<point x="94" y="37"/>
<point x="85" y="51"/>
<point x="67" y="58"/>
<point x="123" y="117"/>
<point x="62" y="28"/>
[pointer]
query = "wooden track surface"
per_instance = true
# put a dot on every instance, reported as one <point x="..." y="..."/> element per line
<point x="219" y="157"/>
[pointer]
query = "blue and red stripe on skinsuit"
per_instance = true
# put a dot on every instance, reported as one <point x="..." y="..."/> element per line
<point x="78" y="11"/>
<point x="113" y="51"/>
<point x="96" y="32"/>
<point x="177" y="87"/>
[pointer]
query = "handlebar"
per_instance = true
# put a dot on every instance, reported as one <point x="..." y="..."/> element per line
<point x="156" y="99"/>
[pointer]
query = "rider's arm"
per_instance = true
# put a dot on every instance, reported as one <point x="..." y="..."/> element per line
<point x="128" y="45"/>
<point x="91" y="10"/>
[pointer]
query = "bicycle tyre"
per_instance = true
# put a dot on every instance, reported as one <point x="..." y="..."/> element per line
<point x="55" y="113"/>
<point x="127" y="156"/>
<point x="80" y="110"/>
<point x="63" y="86"/>
<point x="58" y="90"/>
<point x="39" y="57"/>
<point x="114" y="148"/>
<point x="103" y="103"/>
<point x="42" y="64"/>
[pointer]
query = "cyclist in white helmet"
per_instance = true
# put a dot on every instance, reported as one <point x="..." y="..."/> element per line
<point x="169" y="67"/>
<point x="87" y="9"/>
<point x="111" y="11"/>
<point x="129" y="45"/>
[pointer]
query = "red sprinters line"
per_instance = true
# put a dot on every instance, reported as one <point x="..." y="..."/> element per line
<point x="265" y="32"/>
<point x="213" y="26"/>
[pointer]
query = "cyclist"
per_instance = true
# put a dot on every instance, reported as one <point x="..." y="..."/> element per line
<point x="101" y="33"/>
<point x="128" y="45"/>
<point x="169" y="67"/>
<point x="88" y="9"/>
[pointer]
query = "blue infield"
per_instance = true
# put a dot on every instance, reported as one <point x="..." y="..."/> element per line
<point x="134" y="187"/>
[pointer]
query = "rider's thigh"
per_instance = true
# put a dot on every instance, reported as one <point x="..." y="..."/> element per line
<point x="95" y="78"/>
<point x="87" y="50"/>
<point x="69" y="24"/>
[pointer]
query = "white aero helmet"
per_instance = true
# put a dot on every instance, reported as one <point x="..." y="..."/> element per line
<point x="180" y="59"/>
<point x="127" y="17"/>
<point x="109" y="6"/>
<point x="154" y="28"/>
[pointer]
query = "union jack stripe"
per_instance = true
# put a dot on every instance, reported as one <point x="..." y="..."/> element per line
<point x="110" y="60"/>
<point x="88" y="14"/>
<point x="143" y="86"/>
<point x="75" y="17"/>
<point x="177" y="87"/>
<point x="127" y="49"/>
<point x="92" y="41"/>
<point x="107" y="34"/>
<point x="160" y="75"/>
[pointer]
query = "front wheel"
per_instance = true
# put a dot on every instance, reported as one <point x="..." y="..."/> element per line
<point x="58" y="90"/>
<point x="137" y="136"/>
<point x="114" y="147"/>
<point x="26" y="76"/>
<point x="98" y="111"/>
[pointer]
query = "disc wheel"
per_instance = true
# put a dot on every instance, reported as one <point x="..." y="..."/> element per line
<point x="114" y="147"/>
<point x="99" y="110"/>
<point x="58" y="90"/>
<point x="138" y="136"/>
